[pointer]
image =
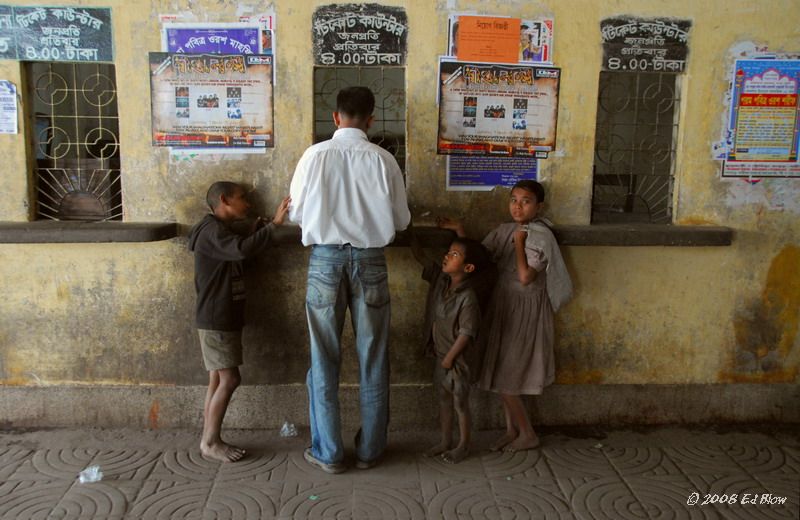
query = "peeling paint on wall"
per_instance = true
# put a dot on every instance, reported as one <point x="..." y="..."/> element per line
<point x="766" y="328"/>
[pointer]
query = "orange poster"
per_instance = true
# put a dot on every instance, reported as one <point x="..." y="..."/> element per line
<point x="487" y="38"/>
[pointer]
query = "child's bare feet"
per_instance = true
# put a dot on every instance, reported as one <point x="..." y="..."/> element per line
<point x="222" y="452"/>
<point x="456" y="455"/>
<point x="522" y="443"/>
<point x="437" y="450"/>
<point x="503" y="441"/>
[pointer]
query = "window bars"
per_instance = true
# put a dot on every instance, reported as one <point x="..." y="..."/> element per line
<point x="387" y="83"/>
<point x="637" y="124"/>
<point x="75" y="140"/>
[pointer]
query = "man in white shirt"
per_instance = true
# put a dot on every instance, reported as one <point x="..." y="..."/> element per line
<point x="349" y="198"/>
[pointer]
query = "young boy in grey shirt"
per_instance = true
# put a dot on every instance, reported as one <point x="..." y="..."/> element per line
<point x="452" y="319"/>
<point x="219" y="282"/>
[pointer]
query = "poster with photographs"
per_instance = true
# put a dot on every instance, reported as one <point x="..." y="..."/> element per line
<point x="497" y="110"/>
<point x="211" y="100"/>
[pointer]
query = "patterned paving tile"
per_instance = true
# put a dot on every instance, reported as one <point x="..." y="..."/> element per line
<point x="266" y="467"/>
<point x="435" y="468"/>
<point x="243" y="500"/>
<point x="185" y="466"/>
<point x="398" y="500"/>
<point x="769" y="503"/>
<point x="579" y="462"/>
<point x="726" y="484"/>
<point x="30" y="499"/>
<point x="601" y="498"/>
<point x="63" y="464"/>
<point x="95" y="500"/>
<point x="698" y="460"/>
<point x="395" y="466"/>
<point x="559" y="481"/>
<point x="495" y="499"/>
<point x="126" y="464"/>
<point x="169" y="499"/>
<point x="301" y="500"/>
<point x="643" y="462"/>
<point x="524" y="464"/>
<point x="10" y="459"/>
<point x="761" y="459"/>
<point x="668" y="497"/>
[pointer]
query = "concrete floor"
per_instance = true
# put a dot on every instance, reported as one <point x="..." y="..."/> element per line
<point x="577" y="474"/>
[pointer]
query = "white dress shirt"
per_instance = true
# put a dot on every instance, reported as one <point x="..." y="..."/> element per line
<point x="348" y="191"/>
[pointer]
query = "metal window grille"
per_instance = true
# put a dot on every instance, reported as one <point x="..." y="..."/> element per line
<point x="387" y="83"/>
<point x="637" y="124"/>
<point x="75" y="140"/>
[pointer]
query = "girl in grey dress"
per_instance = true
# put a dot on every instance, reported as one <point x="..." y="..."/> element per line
<point x="532" y="283"/>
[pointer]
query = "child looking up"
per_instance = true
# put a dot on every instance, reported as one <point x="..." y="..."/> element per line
<point x="219" y="282"/>
<point x="452" y="318"/>
<point x="532" y="284"/>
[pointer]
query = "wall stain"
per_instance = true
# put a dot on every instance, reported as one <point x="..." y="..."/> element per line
<point x="765" y="329"/>
<point x="695" y="221"/>
<point x="153" y="416"/>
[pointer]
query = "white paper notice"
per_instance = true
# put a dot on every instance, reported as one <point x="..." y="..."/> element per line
<point x="8" y="107"/>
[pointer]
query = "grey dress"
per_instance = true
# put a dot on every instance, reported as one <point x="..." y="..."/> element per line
<point x="518" y="342"/>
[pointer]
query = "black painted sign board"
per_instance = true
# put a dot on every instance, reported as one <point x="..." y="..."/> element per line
<point x="359" y="34"/>
<point x="645" y="44"/>
<point x="43" y="33"/>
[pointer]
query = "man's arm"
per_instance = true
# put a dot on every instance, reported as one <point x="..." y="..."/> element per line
<point x="297" y="190"/>
<point x="400" y="211"/>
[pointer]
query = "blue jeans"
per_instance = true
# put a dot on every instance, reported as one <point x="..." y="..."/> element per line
<point x="340" y="277"/>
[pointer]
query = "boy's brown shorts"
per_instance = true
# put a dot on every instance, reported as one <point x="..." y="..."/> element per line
<point x="455" y="380"/>
<point x="221" y="348"/>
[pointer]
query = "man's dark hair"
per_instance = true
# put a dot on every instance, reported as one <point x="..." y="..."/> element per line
<point x="226" y="188"/>
<point x="474" y="253"/>
<point x="533" y="187"/>
<point x="355" y="102"/>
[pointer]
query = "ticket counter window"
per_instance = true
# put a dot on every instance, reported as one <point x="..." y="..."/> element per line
<point x="75" y="140"/>
<point x="634" y="155"/>
<point x="387" y="83"/>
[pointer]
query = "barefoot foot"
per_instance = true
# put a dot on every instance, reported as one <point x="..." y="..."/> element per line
<point x="456" y="455"/>
<point x="522" y="443"/>
<point x="437" y="450"/>
<point x="503" y="441"/>
<point x="221" y="452"/>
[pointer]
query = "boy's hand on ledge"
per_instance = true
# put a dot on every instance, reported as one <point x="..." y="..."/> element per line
<point x="280" y="213"/>
<point x="452" y="225"/>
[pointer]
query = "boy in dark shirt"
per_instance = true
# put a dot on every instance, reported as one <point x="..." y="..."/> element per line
<point x="219" y="282"/>
<point x="452" y="319"/>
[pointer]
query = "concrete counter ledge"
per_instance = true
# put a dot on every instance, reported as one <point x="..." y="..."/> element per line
<point x="57" y="231"/>
<point x="49" y="231"/>
<point x="599" y="235"/>
<point x="603" y="235"/>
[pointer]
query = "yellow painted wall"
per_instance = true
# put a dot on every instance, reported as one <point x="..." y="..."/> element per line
<point x="121" y="313"/>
